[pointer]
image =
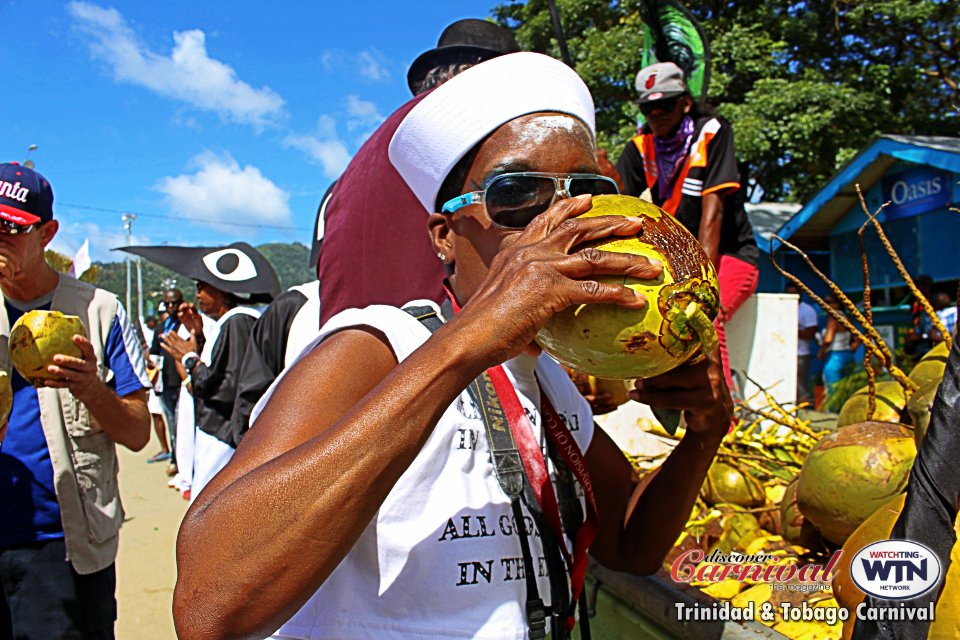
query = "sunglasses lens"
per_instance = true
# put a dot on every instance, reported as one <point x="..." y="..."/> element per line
<point x="12" y="229"/>
<point x="663" y="105"/>
<point x="593" y="186"/>
<point x="513" y="201"/>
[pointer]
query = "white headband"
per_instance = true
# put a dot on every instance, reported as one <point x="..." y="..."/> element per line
<point x="446" y="124"/>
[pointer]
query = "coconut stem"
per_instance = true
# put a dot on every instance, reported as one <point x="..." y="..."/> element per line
<point x="874" y="344"/>
<point x="927" y="307"/>
<point x="702" y="326"/>
<point x="868" y="313"/>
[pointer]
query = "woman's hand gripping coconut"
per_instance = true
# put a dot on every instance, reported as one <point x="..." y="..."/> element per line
<point x="348" y="421"/>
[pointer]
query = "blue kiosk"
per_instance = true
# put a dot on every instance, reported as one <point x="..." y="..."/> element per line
<point x="916" y="179"/>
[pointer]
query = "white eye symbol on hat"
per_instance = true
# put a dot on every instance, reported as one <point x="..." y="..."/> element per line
<point x="242" y="266"/>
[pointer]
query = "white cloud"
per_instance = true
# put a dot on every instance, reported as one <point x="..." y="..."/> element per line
<point x="222" y="193"/>
<point x="187" y="74"/>
<point x="332" y="153"/>
<point x="369" y="63"/>
<point x="372" y="65"/>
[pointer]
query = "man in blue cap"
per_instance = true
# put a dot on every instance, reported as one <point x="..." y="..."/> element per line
<point x="60" y="506"/>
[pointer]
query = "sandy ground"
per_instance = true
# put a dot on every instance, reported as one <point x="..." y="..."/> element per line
<point x="146" y="569"/>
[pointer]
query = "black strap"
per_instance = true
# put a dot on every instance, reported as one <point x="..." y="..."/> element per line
<point x="508" y="468"/>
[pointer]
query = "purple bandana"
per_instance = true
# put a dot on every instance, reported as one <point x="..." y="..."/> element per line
<point x="671" y="153"/>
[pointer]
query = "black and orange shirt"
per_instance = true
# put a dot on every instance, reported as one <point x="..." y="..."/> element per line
<point x="709" y="167"/>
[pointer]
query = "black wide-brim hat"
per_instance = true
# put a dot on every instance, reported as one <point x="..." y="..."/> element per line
<point x="237" y="268"/>
<point x="467" y="40"/>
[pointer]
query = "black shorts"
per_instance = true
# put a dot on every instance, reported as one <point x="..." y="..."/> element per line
<point x="44" y="597"/>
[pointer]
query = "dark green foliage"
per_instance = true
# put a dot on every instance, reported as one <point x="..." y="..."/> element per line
<point x="805" y="84"/>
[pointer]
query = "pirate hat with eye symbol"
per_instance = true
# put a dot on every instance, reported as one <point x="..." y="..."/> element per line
<point x="237" y="268"/>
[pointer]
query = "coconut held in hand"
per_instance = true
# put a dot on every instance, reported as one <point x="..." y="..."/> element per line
<point x="38" y="336"/>
<point x="610" y="341"/>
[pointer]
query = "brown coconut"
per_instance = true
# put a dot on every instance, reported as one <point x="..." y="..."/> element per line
<point x="851" y="473"/>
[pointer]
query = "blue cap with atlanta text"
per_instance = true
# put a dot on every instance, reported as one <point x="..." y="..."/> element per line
<point x="25" y="196"/>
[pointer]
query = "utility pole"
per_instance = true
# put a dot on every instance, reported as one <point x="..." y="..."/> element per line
<point x="128" y="219"/>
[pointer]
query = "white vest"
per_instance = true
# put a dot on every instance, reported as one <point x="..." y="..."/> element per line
<point x="441" y="559"/>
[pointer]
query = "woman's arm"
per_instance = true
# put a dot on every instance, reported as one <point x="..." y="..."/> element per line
<point x="828" y="334"/>
<point x="639" y="524"/>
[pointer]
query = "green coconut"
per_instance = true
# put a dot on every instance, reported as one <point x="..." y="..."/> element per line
<point x="931" y="365"/>
<point x="727" y="483"/>
<point x="919" y="408"/>
<point x="890" y="402"/>
<point x="610" y="341"/>
<point x="38" y="336"/>
<point x="851" y="473"/>
<point x="793" y="526"/>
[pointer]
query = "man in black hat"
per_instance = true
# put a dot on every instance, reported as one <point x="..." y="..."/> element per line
<point x="462" y="45"/>
<point x="60" y="506"/>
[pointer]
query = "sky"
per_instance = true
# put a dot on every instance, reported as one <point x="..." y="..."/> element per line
<point x="212" y="121"/>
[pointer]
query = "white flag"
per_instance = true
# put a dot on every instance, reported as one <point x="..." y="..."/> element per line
<point x="81" y="261"/>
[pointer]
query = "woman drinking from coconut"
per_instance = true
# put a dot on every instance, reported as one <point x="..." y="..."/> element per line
<point x="364" y="501"/>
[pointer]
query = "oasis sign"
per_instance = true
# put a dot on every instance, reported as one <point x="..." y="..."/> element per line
<point x="916" y="191"/>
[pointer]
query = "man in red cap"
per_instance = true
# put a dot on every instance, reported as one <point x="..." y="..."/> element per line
<point x="61" y="509"/>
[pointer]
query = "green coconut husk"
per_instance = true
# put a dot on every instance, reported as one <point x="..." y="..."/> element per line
<point x="851" y="473"/>
<point x="919" y="408"/>
<point x="931" y="365"/>
<point x="613" y="342"/>
<point x="38" y="336"/>
<point x="727" y="483"/>
<point x="6" y="397"/>
<point x="875" y="528"/>
<point x="891" y="400"/>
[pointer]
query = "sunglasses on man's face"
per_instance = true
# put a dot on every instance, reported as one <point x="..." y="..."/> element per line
<point x="667" y="105"/>
<point x="8" y="228"/>
<point x="513" y="200"/>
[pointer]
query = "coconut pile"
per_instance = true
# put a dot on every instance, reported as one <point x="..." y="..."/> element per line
<point x="792" y="503"/>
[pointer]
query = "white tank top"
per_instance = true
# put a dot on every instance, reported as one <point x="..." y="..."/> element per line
<point x="441" y="559"/>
